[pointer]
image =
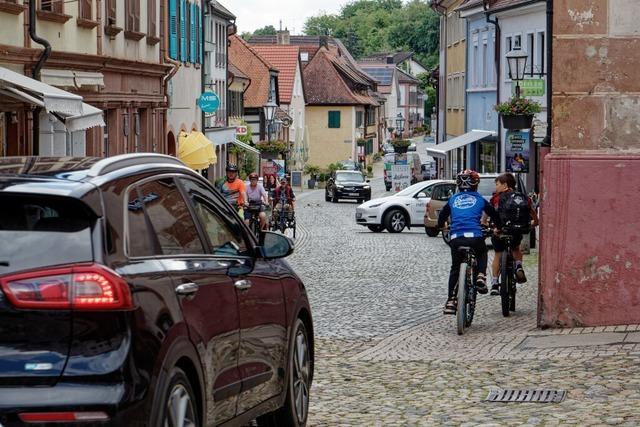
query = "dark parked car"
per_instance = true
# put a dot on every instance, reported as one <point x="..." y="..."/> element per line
<point x="346" y="184"/>
<point x="133" y="295"/>
<point x="350" y="165"/>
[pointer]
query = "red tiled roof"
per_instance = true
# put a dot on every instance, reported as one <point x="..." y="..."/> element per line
<point x="253" y="65"/>
<point x="236" y="72"/>
<point x="325" y="82"/>
<point x="285" y="58"/>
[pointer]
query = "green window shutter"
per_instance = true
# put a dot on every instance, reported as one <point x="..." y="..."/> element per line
<point x="193" y="53"/>
<point x="173" y="29"/>
<point x="183" y="30"/>
<point x="334" y="119"/>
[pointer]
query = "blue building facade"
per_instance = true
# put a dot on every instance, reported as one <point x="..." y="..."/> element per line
<point x="481" y="89"/>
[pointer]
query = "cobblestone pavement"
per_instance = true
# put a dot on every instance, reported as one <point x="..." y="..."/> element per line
<point x="386" y="356"/>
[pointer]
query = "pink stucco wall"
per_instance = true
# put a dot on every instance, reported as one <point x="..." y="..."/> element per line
<point x="590" y="240"/>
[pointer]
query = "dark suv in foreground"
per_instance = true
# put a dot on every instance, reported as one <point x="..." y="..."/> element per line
<point x="133" y="295"/>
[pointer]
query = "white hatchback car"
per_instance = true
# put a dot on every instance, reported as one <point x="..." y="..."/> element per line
<point x="400" y="210"/>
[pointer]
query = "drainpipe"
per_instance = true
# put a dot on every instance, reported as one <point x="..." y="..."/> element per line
<point x="167" y="59"/>
<point x="549" y="39"/>
<point x="496" y="54"/>
<point x="441" y="117"/>
<point x="36" y="72"/>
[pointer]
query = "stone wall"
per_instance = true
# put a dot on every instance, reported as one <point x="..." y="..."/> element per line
<point x="590" y="229"/>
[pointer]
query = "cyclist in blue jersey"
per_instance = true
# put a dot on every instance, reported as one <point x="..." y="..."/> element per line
<point x="465" y="209"/>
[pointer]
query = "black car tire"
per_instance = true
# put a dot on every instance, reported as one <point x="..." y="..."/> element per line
<point x="395" y="221"/>
<point x="366" y="199"/>
<point x="376" y="228"/>
<point x="176" y="386"/>
<point x="294" y="412"/>
<point x="388" y="187"/>
<point x="360" y="201"/>
<point x="334" y="198"/>
<point x="432" y="231"/>
<point x="326" y="196"/>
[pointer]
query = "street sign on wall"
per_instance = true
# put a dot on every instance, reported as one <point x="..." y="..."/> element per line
<point x="208" y="102"/>
<point x="241" y="130"/>
<point x="529" y="87"/>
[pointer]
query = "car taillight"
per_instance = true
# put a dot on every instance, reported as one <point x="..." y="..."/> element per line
<point x="89" y="287"/>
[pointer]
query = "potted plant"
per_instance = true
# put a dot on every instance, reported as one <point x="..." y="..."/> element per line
<point x="313" y="172"/>
<point x="361" y="142"/>
<point x="322" y="178"/>
<point x="517" y="113"/>
<point x="271" y="149"/>
<point x="369" y="171"/>
<point x="401" y="145"/>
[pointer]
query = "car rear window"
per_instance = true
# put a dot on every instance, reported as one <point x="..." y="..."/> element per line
<point x="41" y="231"/>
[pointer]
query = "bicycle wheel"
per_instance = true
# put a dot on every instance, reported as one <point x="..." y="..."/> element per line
<point x="471" y="296"/>
<point x="512" y="296"/>
<point x="505" y="282"/>
<point x="461" y="312"/>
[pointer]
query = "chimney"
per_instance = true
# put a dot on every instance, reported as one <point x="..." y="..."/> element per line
<point x="389" y="59"/>
<point x="324" y="41"/>
<point x="283" y="36"/>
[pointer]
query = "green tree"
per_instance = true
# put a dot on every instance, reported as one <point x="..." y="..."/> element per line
<point x="268" y="30"/>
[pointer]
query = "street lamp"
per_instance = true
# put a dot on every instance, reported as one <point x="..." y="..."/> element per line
<point x="517" y="62"/>
<point x="400" y="124"/>
<point x="269" y="113"/>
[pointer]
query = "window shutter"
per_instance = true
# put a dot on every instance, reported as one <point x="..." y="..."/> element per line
<point x="85" y="9"/>
<point x="192" y="40"/>
<point x="173" y="29"/>
<point x="183" y="30"/>
<point x="151" y="17"/>
<point x="334" y="119"/>
<point x="200" y="34"/>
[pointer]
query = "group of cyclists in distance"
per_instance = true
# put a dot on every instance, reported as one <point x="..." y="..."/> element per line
<point x="254" y="197"/>
<point x="466" y="214"/>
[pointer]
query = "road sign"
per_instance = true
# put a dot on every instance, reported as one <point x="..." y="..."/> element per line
<point x="208" y="102"/>
<point x="241" y="130"/>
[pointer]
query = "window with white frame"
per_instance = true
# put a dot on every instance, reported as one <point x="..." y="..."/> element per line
<point x="485" y="63"/>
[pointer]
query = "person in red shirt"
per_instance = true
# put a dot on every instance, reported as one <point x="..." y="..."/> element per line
<point x="285" y="192"/>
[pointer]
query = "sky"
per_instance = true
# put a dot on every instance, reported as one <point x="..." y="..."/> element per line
<point x="254" y="14"/>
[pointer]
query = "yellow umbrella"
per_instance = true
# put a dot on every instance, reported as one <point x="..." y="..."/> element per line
<point x="195" y="150"/>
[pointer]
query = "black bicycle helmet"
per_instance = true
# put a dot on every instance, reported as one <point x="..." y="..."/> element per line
<point x="232" y="167"/>
<point x="468" y="180"/>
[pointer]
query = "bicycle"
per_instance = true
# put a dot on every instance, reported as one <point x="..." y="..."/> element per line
<point x="507" y="276"/>
<point x="254" y="219"/>
<point x="466" y="291"/>
<point x="283" y="221"/>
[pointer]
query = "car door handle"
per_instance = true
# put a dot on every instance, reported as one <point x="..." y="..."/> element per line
<point x="243" y="285"/>
<point x="187" y="289"/>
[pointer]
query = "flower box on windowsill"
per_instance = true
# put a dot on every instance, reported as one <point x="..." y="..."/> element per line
<point x="152" y="40"/>
<point x="517" y="121"/>
<point x="112" y="31"/>
<point x="87" y="23"/>
<point x="46" y="15"/>
<point x="133" y="35"/>
<point x="12" y="8"/>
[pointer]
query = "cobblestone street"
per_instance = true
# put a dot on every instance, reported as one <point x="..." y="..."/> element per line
<point x="385" y="354"/>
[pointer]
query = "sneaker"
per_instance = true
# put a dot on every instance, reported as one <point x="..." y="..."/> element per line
<point x="481" y="284"/>
<point x="450" y="307"/>
<point x="520" y="277"/>
<point x="495" y="289"/>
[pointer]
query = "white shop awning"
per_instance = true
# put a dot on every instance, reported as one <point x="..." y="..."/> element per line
<point x="53" y="100"/>
<point x="90" y="117"/>
<point x="441" y="150"/>
<point x="246" y="146"/>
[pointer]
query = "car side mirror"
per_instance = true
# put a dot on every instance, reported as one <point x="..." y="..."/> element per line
<point x="275" y="245"/>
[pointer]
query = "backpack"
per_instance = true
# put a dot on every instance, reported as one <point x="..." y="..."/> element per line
<point x="513" y="208"/>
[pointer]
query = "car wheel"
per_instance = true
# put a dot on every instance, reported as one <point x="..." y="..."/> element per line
<point x="395" y="221"/>
<point x="366" y="199"/>
<point x="432" y="231"/>
<point x="326" y="196"/>
<point x="178" y="402"/>
<point x="334" y="198"/>
<point x="388" y="187"/>
<point x="360" y="201"/>
<point x="375" y="228"/>
<point x="295" y="410"/>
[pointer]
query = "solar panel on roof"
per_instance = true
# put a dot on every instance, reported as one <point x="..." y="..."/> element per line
<point x="383" y="75"/>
